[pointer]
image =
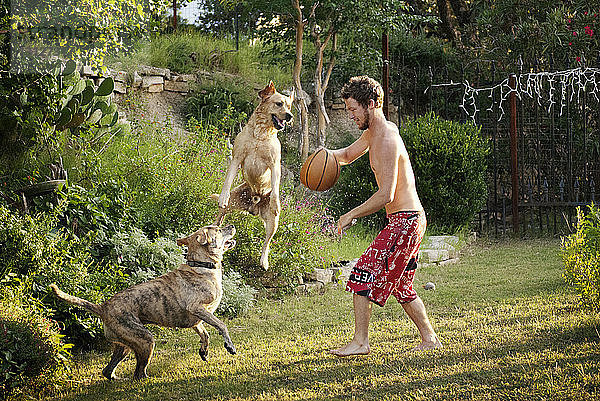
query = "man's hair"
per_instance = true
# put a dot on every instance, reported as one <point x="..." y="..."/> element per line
<point x="362" y="89"/>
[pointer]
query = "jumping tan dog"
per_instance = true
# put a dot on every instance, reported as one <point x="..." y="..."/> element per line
<point x="185" y="297"/>
<point x="258" y="152"/>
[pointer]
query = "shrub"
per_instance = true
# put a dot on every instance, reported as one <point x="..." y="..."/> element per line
<point x="32" y="356"/>
<point x="581" y="256"/>
<point x="144" y="259"/>
<point x="238" y="297"/>
<point x="222" y="104"/>
<point x="35" y="252"/>
<point x="299" y="245"/>
<point x="450" y="166"/>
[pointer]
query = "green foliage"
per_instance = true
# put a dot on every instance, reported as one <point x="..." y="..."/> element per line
<point x="81" y="30"/>
<point x="33" y="357"/>
<point x="188" y="51"/>
<point x="225" y="105"/>
<point x="238" y="297"/>
<point x="536" y="29"/>
<point x="36" y="252"/>
<point x="47" y="108"/>
<point x="581" y="257"/>
<point x="143" y="259"/>
<point x="449" y="160"/>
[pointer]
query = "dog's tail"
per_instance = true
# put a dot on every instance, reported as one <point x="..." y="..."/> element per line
<point x="94" y="308"/>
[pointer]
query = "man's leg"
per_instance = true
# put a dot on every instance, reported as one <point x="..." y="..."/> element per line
<point x="416" y="311"/>
<point x="360" y="342"/>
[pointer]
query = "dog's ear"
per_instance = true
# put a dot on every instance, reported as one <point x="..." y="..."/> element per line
<point x="230" y="243"/>
<point x="293" y="95"/>
<point x="203" y="237"/>
<point x="267" y="91"/>
<point x="182" y="241"/>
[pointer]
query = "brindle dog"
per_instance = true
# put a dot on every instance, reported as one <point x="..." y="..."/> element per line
<point x="185" y="297"/>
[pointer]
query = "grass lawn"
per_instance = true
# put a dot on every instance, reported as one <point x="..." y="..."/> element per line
<point x="511" y="331"/>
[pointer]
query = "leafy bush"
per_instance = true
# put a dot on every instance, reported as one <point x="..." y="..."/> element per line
<point x="143" y="259"/>
<point x="238" y="297"/>
<point x="300" y="244"/>
<point x="221" y="104"/>
<point x="450" y="166"/>
<point x="35" y="252"/>
<point x="581" y="256"/>
<point x="32" y="356"/>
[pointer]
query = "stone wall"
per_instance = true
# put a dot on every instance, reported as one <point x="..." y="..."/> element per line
<point x="144" y="78"/>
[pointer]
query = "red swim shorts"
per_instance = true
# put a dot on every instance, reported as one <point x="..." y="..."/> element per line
<point x="388" y="265"/>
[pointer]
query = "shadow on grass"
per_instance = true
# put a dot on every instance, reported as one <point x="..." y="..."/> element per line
<point x="521" y="369"/>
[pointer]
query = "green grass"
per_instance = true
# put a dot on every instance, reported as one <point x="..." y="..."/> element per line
<point x="510" y="328"/>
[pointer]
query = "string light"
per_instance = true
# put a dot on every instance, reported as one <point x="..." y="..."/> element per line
<point x="531" y="85"/>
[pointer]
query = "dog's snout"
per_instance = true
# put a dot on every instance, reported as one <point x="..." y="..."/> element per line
<point x="288" y="116"/>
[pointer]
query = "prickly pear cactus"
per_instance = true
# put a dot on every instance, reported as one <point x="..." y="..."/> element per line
<point x="85" y="105"/>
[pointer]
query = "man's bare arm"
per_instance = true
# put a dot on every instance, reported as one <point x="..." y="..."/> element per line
<point x="352" y="152"/>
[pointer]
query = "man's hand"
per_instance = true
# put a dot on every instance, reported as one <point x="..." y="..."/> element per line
<point x="346" y="221"/>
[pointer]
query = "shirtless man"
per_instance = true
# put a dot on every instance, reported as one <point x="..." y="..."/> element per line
<point x="388" y="266"/>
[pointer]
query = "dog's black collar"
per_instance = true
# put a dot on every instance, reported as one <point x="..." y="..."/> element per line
<point x="206" y="265"/>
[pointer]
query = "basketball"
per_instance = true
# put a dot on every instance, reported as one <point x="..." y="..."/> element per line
<point x="320" y="171"/>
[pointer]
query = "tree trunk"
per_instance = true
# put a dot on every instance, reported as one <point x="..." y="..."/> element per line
<point x="460" y="9"/>
<point x="301" y="101"/>
<point x="320" y="83"/>
<point x="448" y="31"/>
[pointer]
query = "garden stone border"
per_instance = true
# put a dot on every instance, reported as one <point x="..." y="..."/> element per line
<point x="145" y="78"/>
<point x="439" y="250"/>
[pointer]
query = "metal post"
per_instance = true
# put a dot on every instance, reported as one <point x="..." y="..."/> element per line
<point x="512" y="81"/>
<point x="386" y="74"/>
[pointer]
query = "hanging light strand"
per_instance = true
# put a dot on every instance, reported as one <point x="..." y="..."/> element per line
<point x="544" y="87"/>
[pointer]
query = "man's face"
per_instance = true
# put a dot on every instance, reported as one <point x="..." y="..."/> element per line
<point x="357" y="113"/>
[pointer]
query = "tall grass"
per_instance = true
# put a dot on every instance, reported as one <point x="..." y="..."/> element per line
<point x="188" y="51"/>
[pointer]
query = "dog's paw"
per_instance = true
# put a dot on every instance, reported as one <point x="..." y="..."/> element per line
<point x="275" y="205"/>
<point x="223" y="200"/>
<point x="230" y="348"/>
<point x="203" y="354"/>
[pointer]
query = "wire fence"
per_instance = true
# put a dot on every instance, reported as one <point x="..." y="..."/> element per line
<point x="535" y="186"/>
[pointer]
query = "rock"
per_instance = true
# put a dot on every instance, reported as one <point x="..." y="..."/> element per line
<point x="447" y="242"/>
<point x="315" y="286"/>
<point x="136" y="80"/>
<point x="147" y="81"/>
<point x="87" y="71"/>
<point x="120" y="87"/>
<point x="300" y="289"/>
<point x="320" y="275"/>
<point x="429" y="286"/>
<point x="155" y="88"/>
<point x="174" y="86"/>
<point x="433" y="255"/>
<point x="341" y="273"/>
<point x="307" y="288"/>
<point x="148" y="70"/>
<point x="186" y="78"/>
<point x="119" y="76"/>
<point x="448" y="261"/>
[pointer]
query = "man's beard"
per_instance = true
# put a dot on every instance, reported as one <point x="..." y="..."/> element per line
<point x="366" y="123"/>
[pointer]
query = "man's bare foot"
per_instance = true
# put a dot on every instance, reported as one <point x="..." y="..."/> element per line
<point x="425" y="345"/>
<point x="351" y="349"/>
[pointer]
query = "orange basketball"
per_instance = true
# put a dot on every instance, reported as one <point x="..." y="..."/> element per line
<point x="320" y="171"/>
